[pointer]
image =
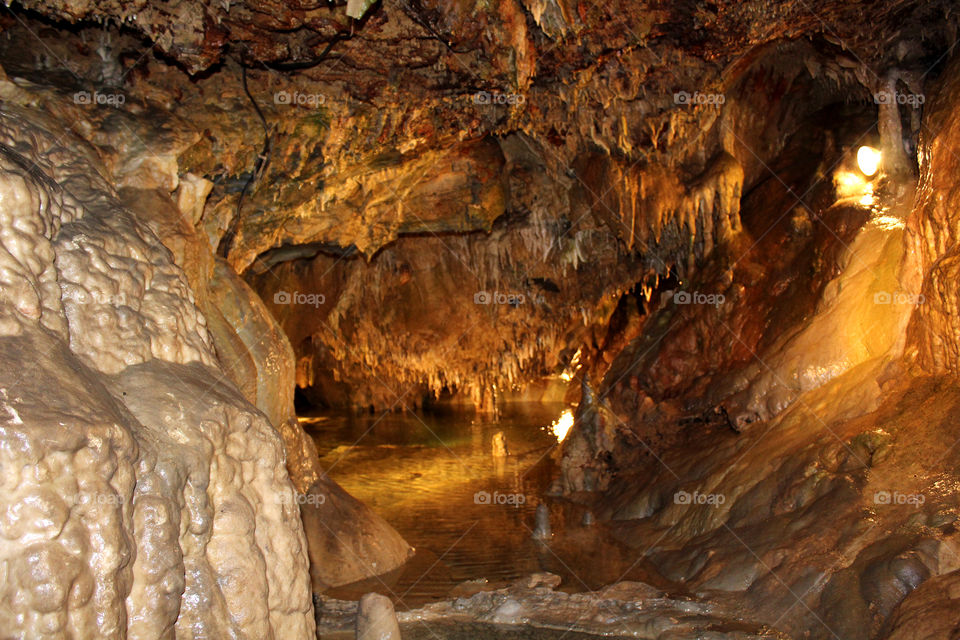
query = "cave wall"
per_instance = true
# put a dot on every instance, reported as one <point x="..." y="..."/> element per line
<point x="829" y="511"/>
<point x="934" y="334"/>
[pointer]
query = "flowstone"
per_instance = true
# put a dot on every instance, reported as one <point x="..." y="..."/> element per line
<point x="142" y="495"/>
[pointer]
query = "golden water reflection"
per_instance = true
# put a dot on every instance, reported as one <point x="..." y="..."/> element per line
<point x="468" y="514"/>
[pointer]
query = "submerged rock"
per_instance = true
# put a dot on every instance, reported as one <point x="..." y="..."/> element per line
<point x="347" y="540"/>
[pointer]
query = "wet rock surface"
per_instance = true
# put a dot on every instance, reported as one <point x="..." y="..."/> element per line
<point x="827" y="533"/>
<point x="626" y="610"/>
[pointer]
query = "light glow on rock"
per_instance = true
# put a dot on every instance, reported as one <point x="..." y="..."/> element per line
<point x="571" y="370"/>
<point x="561" y="426"/>
<point x="850" y="184"/>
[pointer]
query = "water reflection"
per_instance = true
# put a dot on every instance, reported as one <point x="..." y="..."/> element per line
<point x="469" y="514"/>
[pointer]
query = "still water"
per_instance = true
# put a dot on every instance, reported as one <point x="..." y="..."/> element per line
<point x="469" y="515"/>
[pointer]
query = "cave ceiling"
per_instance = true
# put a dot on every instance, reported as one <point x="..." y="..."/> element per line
<point x="396" y="123"/>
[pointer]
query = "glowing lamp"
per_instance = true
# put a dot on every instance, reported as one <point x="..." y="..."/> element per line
<point x="868" y="159"/>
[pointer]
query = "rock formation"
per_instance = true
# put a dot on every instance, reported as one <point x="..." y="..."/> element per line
<point x="145" y="496"/>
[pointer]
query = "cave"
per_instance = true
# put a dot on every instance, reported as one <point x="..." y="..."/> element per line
<point x="470" y="320"/>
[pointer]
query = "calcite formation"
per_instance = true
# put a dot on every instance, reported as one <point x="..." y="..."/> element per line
<point x="144" y="496"/>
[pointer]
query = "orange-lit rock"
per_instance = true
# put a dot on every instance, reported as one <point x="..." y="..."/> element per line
<point x="204" y="205"/>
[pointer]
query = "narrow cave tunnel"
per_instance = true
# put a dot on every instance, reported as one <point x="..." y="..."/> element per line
<point x="511" y="319"/>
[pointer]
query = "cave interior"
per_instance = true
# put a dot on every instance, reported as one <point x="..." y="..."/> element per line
<point x="480" y="319"/>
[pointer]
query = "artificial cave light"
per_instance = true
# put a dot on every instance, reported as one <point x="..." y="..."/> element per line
<point x="868" y="160"/>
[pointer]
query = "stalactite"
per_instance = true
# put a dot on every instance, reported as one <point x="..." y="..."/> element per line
<point x="393" y="358"/>
<point x="655" y="207"/>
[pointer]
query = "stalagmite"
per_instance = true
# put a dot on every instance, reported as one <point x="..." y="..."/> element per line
<point x="889" y="125"/>
<point x="171" y="506"/>
<point x="376" y="618"/>
<point x="542" y="529"/>
<point x="499" y="445"/>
